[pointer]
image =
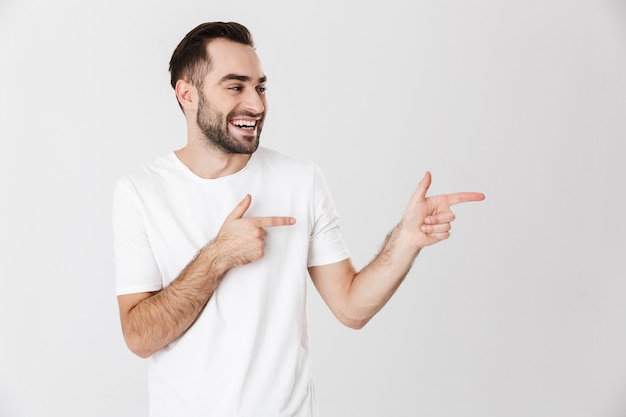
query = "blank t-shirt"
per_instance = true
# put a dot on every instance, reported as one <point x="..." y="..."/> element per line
<point x="248" y="353"/>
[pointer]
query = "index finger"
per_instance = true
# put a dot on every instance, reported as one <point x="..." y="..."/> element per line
<point x="272" y="221"/>
<point x="457" y="198"/>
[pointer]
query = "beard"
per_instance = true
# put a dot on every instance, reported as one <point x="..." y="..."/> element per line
<point x="215" y="128"/>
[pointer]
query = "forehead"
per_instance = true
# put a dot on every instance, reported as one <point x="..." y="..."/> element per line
<point x="229" y="57"/>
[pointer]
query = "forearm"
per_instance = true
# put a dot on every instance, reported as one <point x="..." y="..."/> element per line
<point x="374" y="285"/>
<point x="152" y="321"/>
<point x="161" y="318"/>
<point x="355" y="297"/>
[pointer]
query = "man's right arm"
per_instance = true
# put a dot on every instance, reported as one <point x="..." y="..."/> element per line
<point x="152" y="320"/>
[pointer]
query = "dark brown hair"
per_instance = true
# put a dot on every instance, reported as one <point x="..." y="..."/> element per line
<point x="191" y="61"/>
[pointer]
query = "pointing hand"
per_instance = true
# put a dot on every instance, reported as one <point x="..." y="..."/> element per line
<point x="428" y="218"/>
<point x="242" y="240"/>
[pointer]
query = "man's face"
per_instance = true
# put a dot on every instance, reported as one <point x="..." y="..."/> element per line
<point x="231" y="104"/>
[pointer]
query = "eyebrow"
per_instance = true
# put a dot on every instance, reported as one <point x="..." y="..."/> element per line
<point x="242" y="78"/>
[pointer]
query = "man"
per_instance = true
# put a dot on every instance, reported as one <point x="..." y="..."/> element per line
<point x="214" y="243"/>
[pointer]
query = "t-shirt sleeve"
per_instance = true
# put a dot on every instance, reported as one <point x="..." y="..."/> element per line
<point x="135" y="267"/>
<point x="326" y="244"/>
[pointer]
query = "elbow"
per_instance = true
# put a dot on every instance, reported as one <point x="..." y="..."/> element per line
<point x="136" y="346"/>
<point x="143" y="354"/>
<point x="353" y="322"/>
<point x="140" y="351"/>
<point x="354" y="318"/>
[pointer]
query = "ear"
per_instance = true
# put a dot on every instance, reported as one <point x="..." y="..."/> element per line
<point x="186" y="95"/>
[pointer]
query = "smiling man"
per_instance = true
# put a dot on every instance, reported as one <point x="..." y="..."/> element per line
<point x="214" y="244"/>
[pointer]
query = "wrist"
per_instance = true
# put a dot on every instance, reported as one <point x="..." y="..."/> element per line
<point x="408" y="238"/>
<point x="214" y="258"/>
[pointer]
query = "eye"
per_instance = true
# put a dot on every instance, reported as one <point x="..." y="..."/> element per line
<point x="261" y="89"/>
<point x="236" y="88"/>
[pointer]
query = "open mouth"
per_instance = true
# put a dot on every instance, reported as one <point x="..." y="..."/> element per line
<point x="249" y="125"/>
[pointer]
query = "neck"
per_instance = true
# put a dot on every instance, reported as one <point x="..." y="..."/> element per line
<point x="210" y="163"/>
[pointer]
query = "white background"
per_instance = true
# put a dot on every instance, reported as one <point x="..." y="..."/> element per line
<point x="521" y="313"/>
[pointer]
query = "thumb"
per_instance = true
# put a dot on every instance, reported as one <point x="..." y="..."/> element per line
<point x="241" y="208"/>
<point x="422" y="187"/>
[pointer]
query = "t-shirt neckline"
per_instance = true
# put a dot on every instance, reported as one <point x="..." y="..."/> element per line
<point x="187" y="171"/>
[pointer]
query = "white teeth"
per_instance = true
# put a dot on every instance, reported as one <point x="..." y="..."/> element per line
<point x="245" y="123"/>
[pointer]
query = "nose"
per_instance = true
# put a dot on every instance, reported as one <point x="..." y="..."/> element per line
<point x="254" y="101"/>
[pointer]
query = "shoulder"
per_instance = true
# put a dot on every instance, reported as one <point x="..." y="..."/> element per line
<point x="148" y="181"/>
<point x="148" y="170"/>
<point x="152" y="172"/>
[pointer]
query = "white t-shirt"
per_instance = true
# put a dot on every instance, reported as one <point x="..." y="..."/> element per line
<point x="247" y="354"/>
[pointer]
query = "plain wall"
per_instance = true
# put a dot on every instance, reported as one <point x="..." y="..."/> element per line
<point x="521" y="313"/>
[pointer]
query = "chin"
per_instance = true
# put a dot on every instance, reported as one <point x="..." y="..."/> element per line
<point x="246" y="146"/>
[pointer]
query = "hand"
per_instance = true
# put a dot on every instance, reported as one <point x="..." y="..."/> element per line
<point x="428" y="218"/>
<point x="242" y="241"/>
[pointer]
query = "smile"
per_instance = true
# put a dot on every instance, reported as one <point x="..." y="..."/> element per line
<point x="245" y="124"/>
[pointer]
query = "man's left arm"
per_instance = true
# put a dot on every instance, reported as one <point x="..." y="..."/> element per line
<point x="355" y="297"/>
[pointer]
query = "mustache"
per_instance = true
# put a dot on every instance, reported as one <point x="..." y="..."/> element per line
<point x="234" y="114"/>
